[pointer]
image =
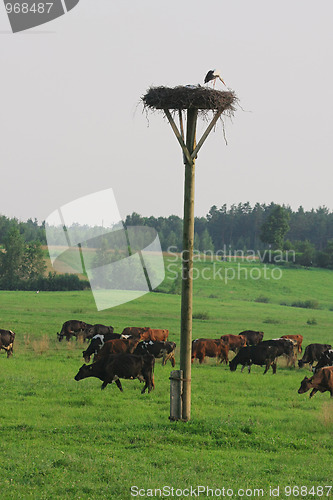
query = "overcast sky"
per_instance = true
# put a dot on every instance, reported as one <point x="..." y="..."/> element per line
<point x="72" y="123"/>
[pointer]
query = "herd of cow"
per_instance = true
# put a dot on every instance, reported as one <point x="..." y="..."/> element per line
<point x="250" y="349"/>
<point x="132" y="353"/>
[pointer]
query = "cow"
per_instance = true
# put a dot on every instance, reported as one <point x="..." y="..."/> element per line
<point x="252" y="337"/>
<point x="97" y="329"/>
<point x="117" y="346"/>
<point x="213" y="348"/>
<point x="146" y="333"/>
<point x="72" y="328"/>
<point x="321" y="381"/>
<point x="261" y="354"/>
<point x="134" y="331"/>
<point x="297" y="338"/>
<point x="97" y="343"/>
<point x="286" y="347"/>
<point x="7" y="338"/>
<point x="326" y="359"/>
<point x="313" y="353"/>
<point x="235" y="342"/>
<point x="155" y="334"/>
<point x="114" y="367"/>
<point x="165" y="350"/>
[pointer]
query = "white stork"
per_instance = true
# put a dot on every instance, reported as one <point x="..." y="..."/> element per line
<point x="212" y="75"/>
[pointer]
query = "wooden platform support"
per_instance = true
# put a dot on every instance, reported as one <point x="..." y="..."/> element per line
<point x="190" y="151"/>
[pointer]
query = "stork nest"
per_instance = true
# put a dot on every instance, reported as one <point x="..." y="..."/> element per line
<point x="191" y="97"/>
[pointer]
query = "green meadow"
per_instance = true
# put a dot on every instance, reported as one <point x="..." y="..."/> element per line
<point x="249" y="433"/>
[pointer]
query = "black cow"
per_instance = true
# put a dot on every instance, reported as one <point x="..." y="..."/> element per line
<point x="97" y="343"/>
<point x="7" y="338"/>
<point x="97" y="329"/>
<point x="326" y="359"/>
<point x="313" y="353"/>
<point x="116" y="366"/>
<point x="72" y="328"/>
<point x="286" y="347"/>
<point x="252" y="337"/>
<point x="256" y="355"/>
<point x="165" y="350"/>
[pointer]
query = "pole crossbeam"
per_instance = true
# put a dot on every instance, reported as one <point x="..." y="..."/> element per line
<point x="180" y="135"/>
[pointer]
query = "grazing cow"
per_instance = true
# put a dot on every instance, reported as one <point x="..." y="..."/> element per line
<point x="71" y="328"/>
<point x="326" y="359"/>
<point x="117" y="346"/>
<point x="7" y="338"/>
<point x="97" y="343"/>
<point x="297" y="338"/>
<point x="252" y="337"/>
<point x="261" y="354"/>
<point x="158" y="350"/>
<point x="213" y="348"/>
<point x="321" y="381"/>
<point x="155" y="334"/>
<point x="146" y="333"/>
<point x="313" y="353"/>
<point x="118" y="366"/>
<point x="235" y="342"/>
<point x="97" y="329"/>
<point x="134" y="331"/>
<point x="286" y="347"/>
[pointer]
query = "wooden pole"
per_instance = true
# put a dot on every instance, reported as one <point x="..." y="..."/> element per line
<point x="187" y="266"/>
<point x="176" y="391"/>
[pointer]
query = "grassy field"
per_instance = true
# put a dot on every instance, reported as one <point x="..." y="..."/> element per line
<point x="67" y="439"/>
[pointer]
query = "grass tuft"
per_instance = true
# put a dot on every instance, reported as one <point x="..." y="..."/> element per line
<point x="201" y="315"/>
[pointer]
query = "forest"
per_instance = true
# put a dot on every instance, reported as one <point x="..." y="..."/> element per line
<point x="240" y="228"/>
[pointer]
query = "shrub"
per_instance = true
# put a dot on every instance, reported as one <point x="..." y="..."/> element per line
<point x="312" y="321"/>
<point x="262" y="299"/>
<point x="306" y="304"/>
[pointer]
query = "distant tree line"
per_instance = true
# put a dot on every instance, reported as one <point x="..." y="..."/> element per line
<point x="243" y="228"/>
<point x="238" y="228"/>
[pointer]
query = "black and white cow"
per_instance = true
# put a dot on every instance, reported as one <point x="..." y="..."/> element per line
<point x="97" y="343"/>
<point x="158" y="349"/>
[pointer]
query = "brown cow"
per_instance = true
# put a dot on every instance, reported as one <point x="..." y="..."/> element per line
<point x="235" y="342"/>
<point x="298" y="338"/>
<point x="321" y="381"/>
<point x="134" y="331"/>
<point x="117" y="346"/>
<point x="211" y="348"/>
<point x="155" y="335"/>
